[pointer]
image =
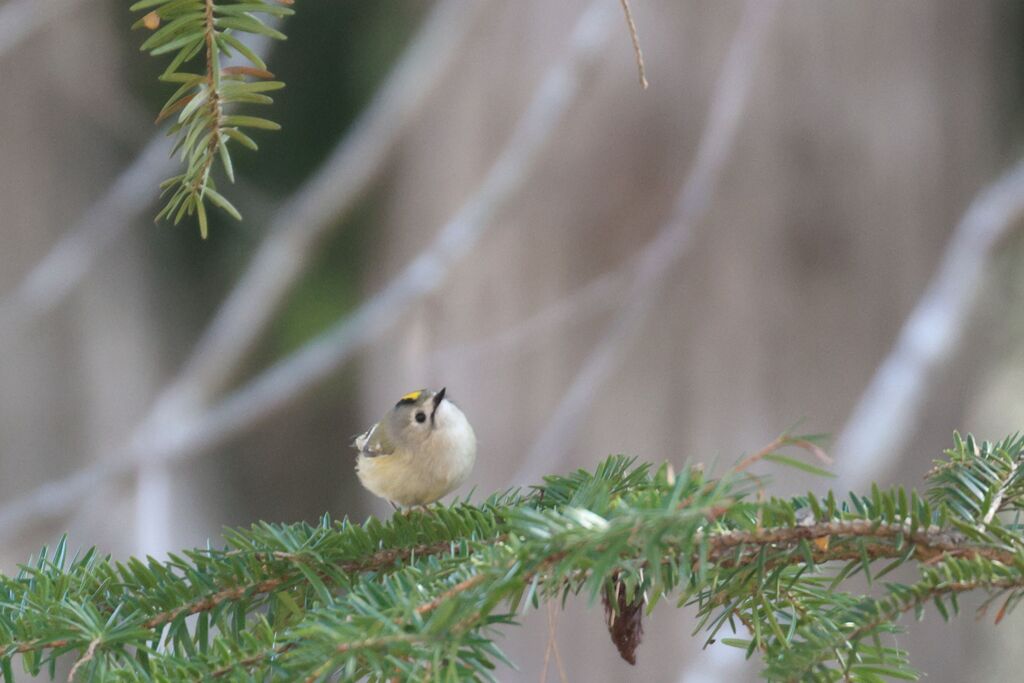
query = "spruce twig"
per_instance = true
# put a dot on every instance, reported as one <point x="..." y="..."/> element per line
<point x="425" y="593"/>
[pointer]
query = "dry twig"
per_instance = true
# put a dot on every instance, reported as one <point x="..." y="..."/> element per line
<point x="656" y="260"/>
<point x="635" y="37"/>
<point x="178" y="427"/>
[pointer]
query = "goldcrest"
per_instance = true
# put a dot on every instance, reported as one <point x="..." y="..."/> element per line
<point x="420" y="451"/>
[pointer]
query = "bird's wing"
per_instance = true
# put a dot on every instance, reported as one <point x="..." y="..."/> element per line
<point x="372" y="443"/>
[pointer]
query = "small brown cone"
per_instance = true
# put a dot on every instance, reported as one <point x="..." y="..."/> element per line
<point x="625" y="620"/>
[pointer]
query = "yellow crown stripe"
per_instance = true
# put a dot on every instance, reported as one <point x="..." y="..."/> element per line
<point x="412" y="396"/>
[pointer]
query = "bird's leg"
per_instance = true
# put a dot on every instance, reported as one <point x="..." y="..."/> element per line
<point x="399" y="510"/>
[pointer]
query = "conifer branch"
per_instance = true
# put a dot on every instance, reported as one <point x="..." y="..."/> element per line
<point x="300" y="224"/>
<point x="204" y="129"/>
<point x="426" y="591"/>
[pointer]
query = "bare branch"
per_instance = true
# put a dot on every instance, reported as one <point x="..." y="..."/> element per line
<point x="728" y="102"/>
<point x="601" y="293"/>
<point x="635" y="37"/>
<point x="21" y="18"/>
<point x="354" y="163"/>
<point x="882" y="422"/>
<point x="289" y="378"/>
<point x="84" y="659"/>
<point x="174" y="430"/>
<point x="67" y="263"/>
<point x="314" y="209"/>
<point x="294" y="232"/>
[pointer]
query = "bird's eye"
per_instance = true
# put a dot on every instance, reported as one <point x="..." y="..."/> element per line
<point x="421" y="417"/>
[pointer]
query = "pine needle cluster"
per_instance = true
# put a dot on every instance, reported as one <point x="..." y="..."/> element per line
<point x="209" y="31"/>
<point x="424" y="595"/>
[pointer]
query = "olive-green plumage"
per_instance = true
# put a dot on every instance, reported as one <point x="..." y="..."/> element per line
<point x="420" y="451"/>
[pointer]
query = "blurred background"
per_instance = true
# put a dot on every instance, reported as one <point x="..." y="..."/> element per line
<point x="808" y="219"/>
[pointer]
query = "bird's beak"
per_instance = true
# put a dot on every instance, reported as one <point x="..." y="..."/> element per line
<point x="438" y="397"/>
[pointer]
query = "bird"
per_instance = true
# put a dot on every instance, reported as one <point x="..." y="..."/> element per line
<point x="420" y="451"/>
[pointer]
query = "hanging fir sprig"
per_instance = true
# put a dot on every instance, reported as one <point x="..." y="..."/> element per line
<point x="423" y="595"/>
<point x="202" y="107"/>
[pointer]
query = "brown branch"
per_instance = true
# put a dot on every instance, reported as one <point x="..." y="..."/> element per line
<point x="750" y="460"/>
<point x="369" y="643"/>
<point x="244" y="70"/>
<point x="210" y="602"/>
<point x="173" y="108"/>
<point x="562" y="677"/>
<point x="378" y="560"/>
<point x="746" y="463"/>
<point x="781" y="441"/>
<point x="664" y="251"/>
<point x="375" y="562"/>
<point x="40" y="645"/>
<point x="251" y="661"/>
<point x="425" y="608"/>
<point x="944" y="589"/>
<point x="460" y="587"/>
<point x="377" y="642"/>
<point x="215" y="106"/>
<point x="635" y="37"/>
<point x="552" y="648"/>
<point x="84" y="659"/>
<point x="934" y="541"/>
<point x="932" y="545"/>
